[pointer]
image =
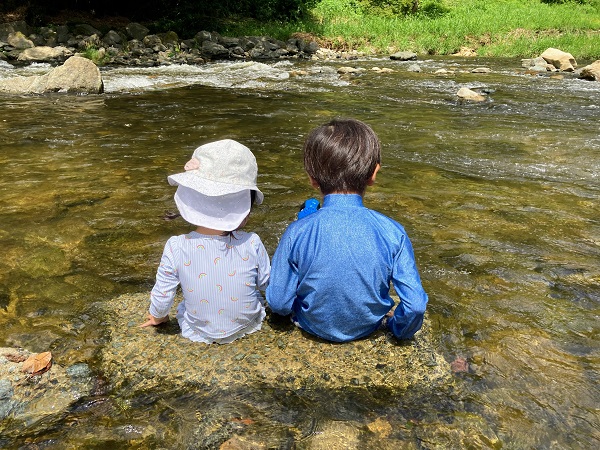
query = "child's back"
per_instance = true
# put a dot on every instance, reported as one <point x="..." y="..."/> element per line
<point x="219" y="267"/>
<point x="220" y="277"/>
<point x="332" y="269"/>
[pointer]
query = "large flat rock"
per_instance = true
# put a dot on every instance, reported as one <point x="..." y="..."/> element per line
<point x="76" y="75"/>
<point x="279" y="356"/>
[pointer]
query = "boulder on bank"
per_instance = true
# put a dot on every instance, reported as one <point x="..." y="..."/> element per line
<point x="9" y="28"/>
<point x="19" y="41"/>
<point x="44" y="54"/>
<point x="76" y="75"/>
<point x="561" y="60"/>
<point x="591" y="72"/>
<point x="280" y="356"/>
<point x="137" y="31"/>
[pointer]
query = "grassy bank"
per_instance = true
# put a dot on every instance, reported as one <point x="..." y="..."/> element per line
<point x="515" y="28"/>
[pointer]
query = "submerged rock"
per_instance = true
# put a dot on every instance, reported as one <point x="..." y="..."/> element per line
<point x="26" y="400"/>
<point x="280" y="356"/>
<point x="345" y="70"/>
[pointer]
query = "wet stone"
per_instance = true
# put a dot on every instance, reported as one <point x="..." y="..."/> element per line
<point x="26" y="400"/>
<point x="80" y="370"/>
<point x="6" y="390"/>
<point x="4" y="300"/>
<point x="280" y="355"/>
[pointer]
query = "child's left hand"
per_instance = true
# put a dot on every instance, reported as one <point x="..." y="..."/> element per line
<point x="153" y="321"/>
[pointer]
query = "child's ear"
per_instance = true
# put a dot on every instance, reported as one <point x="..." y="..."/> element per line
<point x="314" y="183"/>
<point x="372" y="179"/>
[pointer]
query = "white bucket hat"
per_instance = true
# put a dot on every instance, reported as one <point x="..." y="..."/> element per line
<point x="214" y="190"/>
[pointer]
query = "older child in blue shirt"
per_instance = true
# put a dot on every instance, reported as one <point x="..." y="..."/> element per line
<point x="332" y="269"/>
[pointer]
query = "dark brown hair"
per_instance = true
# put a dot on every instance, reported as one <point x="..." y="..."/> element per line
<point x="342" y="155"/>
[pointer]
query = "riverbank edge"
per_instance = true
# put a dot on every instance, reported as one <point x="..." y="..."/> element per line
<point x="131" y="44"/>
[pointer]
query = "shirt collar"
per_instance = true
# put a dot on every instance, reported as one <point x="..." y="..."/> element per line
<point x="344" y="200"/>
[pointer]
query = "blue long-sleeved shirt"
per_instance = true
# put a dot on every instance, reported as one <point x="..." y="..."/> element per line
<point x="332" y="270"/>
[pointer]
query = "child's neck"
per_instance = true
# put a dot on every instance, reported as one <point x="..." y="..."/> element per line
<point x="209" y="231"/>
<point x="345" y="192"/>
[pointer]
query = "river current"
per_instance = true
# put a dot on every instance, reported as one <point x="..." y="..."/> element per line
<point x="500" y="199"/>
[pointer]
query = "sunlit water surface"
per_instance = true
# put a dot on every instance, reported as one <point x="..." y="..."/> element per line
<point x="500" y="199"/>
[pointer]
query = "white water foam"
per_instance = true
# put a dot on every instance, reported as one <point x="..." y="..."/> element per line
<point x="246" y="75"/>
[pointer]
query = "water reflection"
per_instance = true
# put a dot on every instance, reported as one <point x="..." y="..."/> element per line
<point x="499" y="199"/>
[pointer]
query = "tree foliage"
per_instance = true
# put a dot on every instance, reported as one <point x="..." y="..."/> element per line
<point x="177" y="15"/>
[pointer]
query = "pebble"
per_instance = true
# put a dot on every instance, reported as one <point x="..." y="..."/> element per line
<point x="80" y="370"/>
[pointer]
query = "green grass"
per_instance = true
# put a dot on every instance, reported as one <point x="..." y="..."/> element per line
<point x="94" y="54"/>
<point x="512" y="28"/>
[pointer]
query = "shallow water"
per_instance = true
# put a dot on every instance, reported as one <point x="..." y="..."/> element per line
<point x="500" y="200"/>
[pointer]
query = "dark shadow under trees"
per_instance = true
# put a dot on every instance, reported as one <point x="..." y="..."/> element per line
<point x="182" y="16"/>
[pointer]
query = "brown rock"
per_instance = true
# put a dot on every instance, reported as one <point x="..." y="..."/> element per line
<point x="280" y="355"/>
<point x="559" y="59"/>
<point x="592" y="71"/>
<point x="468" y="94"/>
<point x="76" y="75"/>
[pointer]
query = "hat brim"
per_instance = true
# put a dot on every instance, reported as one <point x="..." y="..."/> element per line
<point x="211" y="188"/>
<point x="225" y="212"/>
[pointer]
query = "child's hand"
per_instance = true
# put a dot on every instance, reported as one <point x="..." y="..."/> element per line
<point x="387" y="317"/>
<point x="153" y="321"/>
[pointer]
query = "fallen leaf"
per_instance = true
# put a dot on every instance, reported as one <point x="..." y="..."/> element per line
<point x="38" y="364"/>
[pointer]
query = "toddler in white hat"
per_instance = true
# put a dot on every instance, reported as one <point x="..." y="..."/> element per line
<point x="221" y="269"/>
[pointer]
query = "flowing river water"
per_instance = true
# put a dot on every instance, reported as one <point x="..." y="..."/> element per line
<point x="500" y="199"/>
